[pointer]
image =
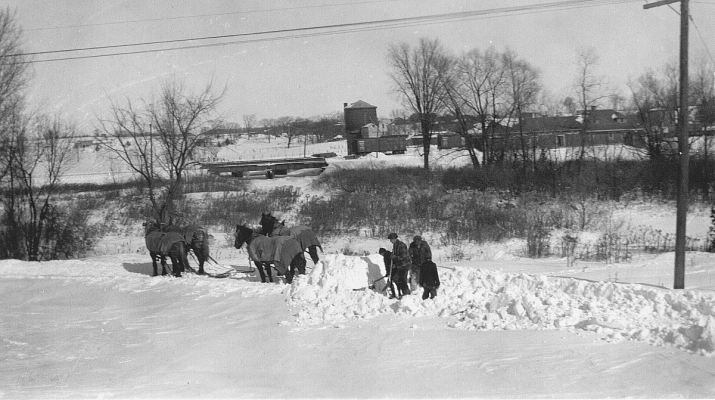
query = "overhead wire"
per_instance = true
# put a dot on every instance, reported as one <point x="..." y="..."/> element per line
<point x="291" y="33"/>
<point x="208" y="15"/>
<point x="697" y="30"/>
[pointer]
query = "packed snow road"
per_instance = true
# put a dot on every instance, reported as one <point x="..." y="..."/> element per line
<point x="104" y="328"/>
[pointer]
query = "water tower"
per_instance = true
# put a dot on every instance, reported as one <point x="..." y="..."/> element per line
<point x="358" y="115"/>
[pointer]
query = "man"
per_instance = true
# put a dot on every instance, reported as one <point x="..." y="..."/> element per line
<point x="392" y="277"/>
<point x="421" y="253"/>
<point x="400" y="263"/>
<point x="429" y="280"/>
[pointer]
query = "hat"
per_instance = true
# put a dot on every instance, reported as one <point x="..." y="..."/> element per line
<point x="417" y="238"/>
<point x="393" y="235"/>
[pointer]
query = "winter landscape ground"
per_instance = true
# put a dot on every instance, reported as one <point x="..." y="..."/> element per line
<point x="502" y="326"/>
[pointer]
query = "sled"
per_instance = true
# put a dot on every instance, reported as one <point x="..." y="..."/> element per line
<point x="223" y="271"/>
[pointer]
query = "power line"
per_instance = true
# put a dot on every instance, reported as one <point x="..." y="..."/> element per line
<point x="336" y="29"/>
<point x="707" y="48"/>
<point x="208" y="15"/>
<point x="697" y="29"/>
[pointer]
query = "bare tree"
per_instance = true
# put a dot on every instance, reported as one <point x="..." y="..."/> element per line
<point x="523" y="88"/>
<point x="418" y="75"/>
<point x="616" y="99"/>
<point x="549" y="103"/>
<point x="479" y="86"/>
<point x="286" y="124"/>
<point x="35" y="156"/>
<point x="456" y="104"/>
<point x="14" y="73"/>
<point x="268" y="124"/>
<point x="157" y="139"/>
<point x="569" y="105"/>
<point x="398" y="114"/>
<point x="654" y="100"/>
<point x="14" y="76"/>
<point x="249" y="121"/>
<point x="702" y="92"/>
<point x="327" y="126"/>
<point x="589" y="88"/>
<point x="13" y="81"/>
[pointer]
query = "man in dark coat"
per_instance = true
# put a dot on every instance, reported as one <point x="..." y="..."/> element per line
<point x="390" y="272"/>
<point x="429" y="279"/>
<point x="420" y="253"/>
<point x="401" y="262"/>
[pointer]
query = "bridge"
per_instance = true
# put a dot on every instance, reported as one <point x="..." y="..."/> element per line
<point x="270" y="167"/>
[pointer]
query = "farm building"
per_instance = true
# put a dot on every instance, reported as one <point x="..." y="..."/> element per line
<point x="87" y="144"/>
<point x="369" y="131"/>
<point x="366" y="134"/>
<point x="450" y="141"/>
<point x="590" y="128"/>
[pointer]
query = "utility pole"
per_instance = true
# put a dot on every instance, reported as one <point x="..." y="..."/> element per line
<point x="682" y="212"/>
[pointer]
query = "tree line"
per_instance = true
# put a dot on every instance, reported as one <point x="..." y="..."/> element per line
<point x="490" y="88"/>
<point x="34" y="154"/>
<point x="319" y="128"/>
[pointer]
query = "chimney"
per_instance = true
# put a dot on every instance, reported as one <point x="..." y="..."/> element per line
<point x="345" y="105"/>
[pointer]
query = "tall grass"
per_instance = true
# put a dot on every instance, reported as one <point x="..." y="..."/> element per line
<point x="493" y="204"/>
<point x="489" y="204"/>
<point x="232" y="208"/>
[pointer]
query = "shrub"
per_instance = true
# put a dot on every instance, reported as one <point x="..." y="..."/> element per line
<point x="538" y="236"/>
<point x="68" y="233"/>
<point x="213" y="183"/>
<point x="240" y="207"/>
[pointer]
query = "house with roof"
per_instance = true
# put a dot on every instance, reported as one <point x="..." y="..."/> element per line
<point x="590" y="128"/>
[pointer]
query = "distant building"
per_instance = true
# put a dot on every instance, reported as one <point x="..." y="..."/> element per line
<point x="365" y="133"/>
<point x="590" y="128"/>
<point x="358" y="115"/>
<point x="370" y="131"/>
<point x="87" y="144"/>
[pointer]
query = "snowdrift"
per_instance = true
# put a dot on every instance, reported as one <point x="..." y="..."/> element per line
<point x="337" y="290"/>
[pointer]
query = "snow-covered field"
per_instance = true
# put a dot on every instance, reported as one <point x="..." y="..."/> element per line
<point x="501" y="326"/>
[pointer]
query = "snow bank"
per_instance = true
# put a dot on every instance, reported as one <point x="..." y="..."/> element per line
<point x="338" y="290"/>
<point x="342" y="288"/>
<point x="132" y="274"/>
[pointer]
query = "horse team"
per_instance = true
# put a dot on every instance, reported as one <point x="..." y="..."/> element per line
<point x="275" y="245"/>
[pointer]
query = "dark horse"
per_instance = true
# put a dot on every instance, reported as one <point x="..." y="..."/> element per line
<point x="162" y="244"/>
<point x="281" y="251"/>
<point x="303" y="234"/>
<point x="197" y="240"/>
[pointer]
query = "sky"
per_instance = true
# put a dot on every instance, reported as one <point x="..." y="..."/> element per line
<point x="314" y="72"/>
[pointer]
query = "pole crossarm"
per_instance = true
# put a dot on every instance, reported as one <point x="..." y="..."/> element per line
<point x="659" y="3"/>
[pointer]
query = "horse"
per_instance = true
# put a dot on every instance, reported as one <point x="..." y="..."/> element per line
<point x="303" y="234"/>
<point x="281" y="251"/>
<point x="197" y="240"/>
<point x="162" y="244"/>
